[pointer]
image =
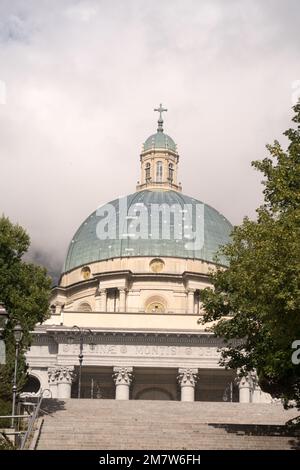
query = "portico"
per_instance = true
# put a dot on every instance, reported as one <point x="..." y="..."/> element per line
<point x="134" y="365"/>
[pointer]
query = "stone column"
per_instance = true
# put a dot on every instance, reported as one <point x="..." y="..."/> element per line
<point x="190" y="301"/>
<point x="122" y="377"/>
<point x="65" y="377"/>
<point x="187" y="379"/>
<point x="122" y="300"/>
<point x="245" y="387"/>
<point x="97" y="302"/>
<point x="258" y="396"/>
<point x="52" y="380"/>
<point x="103" y="300"/>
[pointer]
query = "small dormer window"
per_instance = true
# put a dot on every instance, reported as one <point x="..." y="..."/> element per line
<point x="159" y="170"/>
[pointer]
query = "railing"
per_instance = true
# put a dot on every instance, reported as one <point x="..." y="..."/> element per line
<point x="13" y="431"/>
<point x="160" y="184"/>
<point x="32" y="417"/>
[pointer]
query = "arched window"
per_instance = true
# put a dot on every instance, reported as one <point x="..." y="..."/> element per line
<point x="171" y="172"/>
<point x="84" y="307"/>
<point x="159" y="171"/>
<point x="155" y="304"/>
<point x="147" y="171"/>
<point x="32" y="385"/>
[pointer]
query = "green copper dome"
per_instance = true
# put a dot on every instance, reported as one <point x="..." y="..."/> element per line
<point x="160" y="140"/>
<point x="149" y="223"/>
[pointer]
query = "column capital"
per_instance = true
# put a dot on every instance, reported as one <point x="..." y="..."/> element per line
<point x="245" y="384"/>
<point x="122" y="375"/>
<point x="190" y="291"/>
<point x="245" y="381"/>
<point x="187" y="377"/>
<point x="61" y="374"/>
<point x="52" y="375"/>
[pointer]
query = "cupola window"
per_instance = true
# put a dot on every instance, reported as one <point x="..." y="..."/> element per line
<point x="159" y="170"/>
<point x="147" y="172"/>
<point x="171" y="172"/>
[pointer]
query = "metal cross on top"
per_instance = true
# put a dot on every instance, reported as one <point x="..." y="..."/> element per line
<point x="160" y="110"/>
<point x="160" y="121"/>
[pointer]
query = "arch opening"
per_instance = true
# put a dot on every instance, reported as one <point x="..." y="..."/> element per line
<point x="156" y="304"/>
<point x="154" y="393"/>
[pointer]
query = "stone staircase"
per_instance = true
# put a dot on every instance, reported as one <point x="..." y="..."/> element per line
<point x="111" y="424"/>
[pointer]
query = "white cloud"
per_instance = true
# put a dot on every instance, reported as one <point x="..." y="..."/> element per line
<point x="83" y="77"/>
<point x="83" y="11"/>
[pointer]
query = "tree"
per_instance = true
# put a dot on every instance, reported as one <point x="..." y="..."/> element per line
<point x="256" y="301"/>
<point x="25" y="290"/>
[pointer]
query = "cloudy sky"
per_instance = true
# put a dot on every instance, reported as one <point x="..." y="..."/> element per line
<point x="78" y="83"/>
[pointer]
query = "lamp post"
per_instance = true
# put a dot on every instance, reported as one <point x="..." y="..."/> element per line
<point x="80" y="355"/>
<point x="18" y="334"/>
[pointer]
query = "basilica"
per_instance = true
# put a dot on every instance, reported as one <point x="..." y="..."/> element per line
<point x="126" y="316"/>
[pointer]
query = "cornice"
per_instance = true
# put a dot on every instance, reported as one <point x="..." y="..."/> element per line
<point x="93" y="282"/>
<point x="60" y="334"/>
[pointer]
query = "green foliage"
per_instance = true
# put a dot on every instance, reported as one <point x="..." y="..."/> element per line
<point x="257" y="299"/>
<point x="24" y="289"/>
<point x="5" y="410"/>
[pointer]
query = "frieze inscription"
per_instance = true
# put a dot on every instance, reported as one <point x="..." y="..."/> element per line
<point x="140" y="350"/>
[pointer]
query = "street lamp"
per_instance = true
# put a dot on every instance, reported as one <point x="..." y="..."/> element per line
<point x="18" y="334"/>
<point x="80" y="355"/>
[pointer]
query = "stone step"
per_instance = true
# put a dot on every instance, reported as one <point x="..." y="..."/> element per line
<point x="169" y="446"/>
<point x="109" y="424"/>
<point x="189" y="409"/>
<point x="149" y="432"/>
<point x="152" y="442"/>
